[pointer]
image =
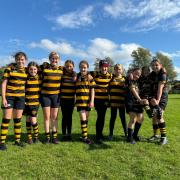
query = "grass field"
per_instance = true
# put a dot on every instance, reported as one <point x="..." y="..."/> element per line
<point x="111" y="160"/>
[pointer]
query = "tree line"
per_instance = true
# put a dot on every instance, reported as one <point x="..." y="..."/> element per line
<point x="142" y="57"/>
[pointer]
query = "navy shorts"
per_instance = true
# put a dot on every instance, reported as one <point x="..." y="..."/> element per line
<point x="15" y="102"/>
<point x="83" y="109"/>
<point x="50" y="100"/>
<point x="134" y="108"/>
<point x="31" y="111"/>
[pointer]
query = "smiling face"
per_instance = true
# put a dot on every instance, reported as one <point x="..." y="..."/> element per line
<point x="20" y="60"/>
<point x="136" y="74"/>
<point x="69" y="67"/>
<point x="33" y="70"/>
<point x="156" y="66"/>
<point x="54" y="60"/>
<point x="118" y="71"/>
<point x="103" y="69"/>
<point x="83" y="68"/>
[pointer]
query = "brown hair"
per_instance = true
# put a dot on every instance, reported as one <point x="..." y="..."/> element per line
<point x="83" y="62"/>
<point x="32" y="63"/>
<point x="69" y="61"/>
<point x="19" y="54"/>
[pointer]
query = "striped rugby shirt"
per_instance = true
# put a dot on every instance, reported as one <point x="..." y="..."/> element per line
<point x="102" y="84"/>
<point x="51" y="80"/>
<point x="16" y="79"/>
<point x="83" y="90"/>
<point x="68" y="85"/>
<point x="117" y="91"/>
<point x="33" y="88"/>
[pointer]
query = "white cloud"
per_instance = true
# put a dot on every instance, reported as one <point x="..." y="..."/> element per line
<point x="177" y="69"/>
<point x="75" y="19"/>
<point x="6" y="60"/>
<point x="98" y="48"/>
<point x="171" y="55"/>
<point x="148" y="14"/>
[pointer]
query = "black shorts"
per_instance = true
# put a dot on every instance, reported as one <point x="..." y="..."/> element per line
<point x="15" y="102"/>
<point x="101" y="103"/>
<point x="31" y="111"/>
<point x="50" y="100"/>
<point x="134" y="108"/>
<point x="83" y="109"/>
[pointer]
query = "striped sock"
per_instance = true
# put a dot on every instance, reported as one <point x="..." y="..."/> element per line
<point x="17" y="129"/>
<point x="4" y="129"/>
<point x="36" y="130"/>
<point x="84" y="128"/>
<point x="162" y="127"/>
<point x="28" y="128"/>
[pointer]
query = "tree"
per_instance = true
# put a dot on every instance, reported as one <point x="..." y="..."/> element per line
<point x="168" y="65"/>
<point x="110" y="61"/>
<point x="141" y="57"/>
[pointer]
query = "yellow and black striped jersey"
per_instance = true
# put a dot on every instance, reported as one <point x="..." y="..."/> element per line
<point x="16" y="79"/>
<point x="68" y="85"/>
<point x="117" y="91"/>
<point x="33" y="88"/>
<point x="102" y="84"/>
<point x="83" y="90"/>
<point x="51" y="79"/>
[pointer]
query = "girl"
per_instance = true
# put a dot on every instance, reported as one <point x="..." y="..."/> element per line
<point x="159" y="99"/>
<point x="50" y="100"/>
<point x="145" y="88"/>
<point x="13" y="98"/>
<point x="33" y="84"/>
<point x="117" y="92"/>
<point x="84" y="98"/>
<point x="134" y="106"/>
<point x="67" y="98"/>
<point x="102" y="79"/>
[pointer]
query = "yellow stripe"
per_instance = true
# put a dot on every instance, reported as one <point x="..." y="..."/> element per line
<point x="18" y="74"/>
<point x="102" y="80"/>
<point x="82" y="97"/>
<point x="53" y="71"/>
<point x="82" y="83"/>
<point x="50" y="92"/>
<point x="52" y="77"/>
<point x="82" y="104"/>
<point x="17" y="81"/>
<point x="33" y="82"/>
<point x="32" y="103"/>
<point x="82" y="90"/>
<point x="101" y="90"/>
<point x="15" y="88"/>
<point x="117" y="97"/>
<point x="51" y="85"/>
<point x="117" y="90"/>
<point x="12" y="94"/>
<point x="67" y="90"/>
<point x="32" y="96"/>
<point x="101" y="97"/>
<point x="33" y="89"/>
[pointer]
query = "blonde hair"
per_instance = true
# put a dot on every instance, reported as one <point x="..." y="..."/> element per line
<point x="53" y="54"/>
<point x="119" y="66"/>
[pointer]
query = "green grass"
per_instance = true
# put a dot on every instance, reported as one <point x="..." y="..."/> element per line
<point x="112" y="160"/>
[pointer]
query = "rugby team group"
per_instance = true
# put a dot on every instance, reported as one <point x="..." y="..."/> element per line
<point x="52" y="86"/>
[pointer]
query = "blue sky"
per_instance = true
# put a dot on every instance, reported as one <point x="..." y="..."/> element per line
<point x="86" y="29"/>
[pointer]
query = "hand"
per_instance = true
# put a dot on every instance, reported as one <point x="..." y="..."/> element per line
<point x="4" y="102"/>
<point x="145" y="102"/>
<point x="90" y="78"/>
<point x="154" y="102"/>
<point x="91" y="104"/>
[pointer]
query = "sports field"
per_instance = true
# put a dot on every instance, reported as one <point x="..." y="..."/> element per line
<point x="112" y="160"/>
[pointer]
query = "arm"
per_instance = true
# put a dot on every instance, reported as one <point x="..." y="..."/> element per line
<point x="91" y="104"/>
<point x="3" y="93"/>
